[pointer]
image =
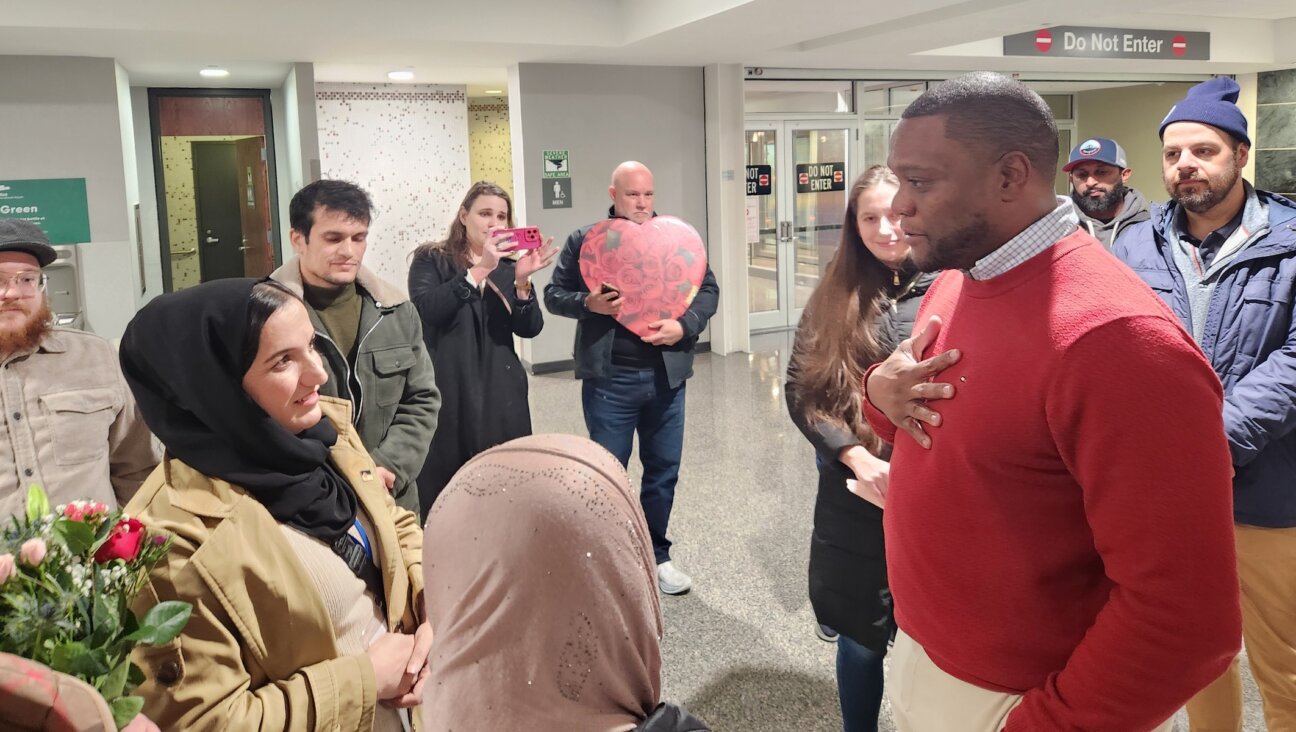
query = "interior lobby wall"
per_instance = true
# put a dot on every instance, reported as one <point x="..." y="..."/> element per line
<point x="604" y="115"/>
<point x="63" y="119"/>
<point x="1130" y="115"/>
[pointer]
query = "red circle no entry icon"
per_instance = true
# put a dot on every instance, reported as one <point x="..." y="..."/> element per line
<point x="764" y="180"/>
<point x="804" y="178"/>
<point x="1044" y="41"/>
<point x="1179" y="45"/>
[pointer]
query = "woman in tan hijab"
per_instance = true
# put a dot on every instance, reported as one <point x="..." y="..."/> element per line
<point x="542" y="595"/>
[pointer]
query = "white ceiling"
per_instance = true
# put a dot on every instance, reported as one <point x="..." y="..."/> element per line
<point x="164" y="42"/>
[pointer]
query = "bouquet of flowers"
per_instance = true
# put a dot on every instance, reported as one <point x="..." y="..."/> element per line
<point x="68" y="576"/>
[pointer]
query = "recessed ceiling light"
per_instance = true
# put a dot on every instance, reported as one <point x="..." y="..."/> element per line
<point x="212" y="72"/>
<point x="494" y="91"/>
<point x="405" y="75"/>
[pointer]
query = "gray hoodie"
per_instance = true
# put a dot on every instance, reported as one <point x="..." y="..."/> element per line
<point x="1133" y="210"/>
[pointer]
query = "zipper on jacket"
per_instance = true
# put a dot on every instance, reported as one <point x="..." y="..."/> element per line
<point x="346" y="366"/>
<point x="359" y="389"/>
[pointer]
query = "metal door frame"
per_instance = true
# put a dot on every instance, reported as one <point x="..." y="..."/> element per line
<point x="159" y="173"/>
<point x="788" y="314"/>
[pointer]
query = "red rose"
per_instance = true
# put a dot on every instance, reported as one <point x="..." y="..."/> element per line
<point x="675" y="271"/>
<point x="671" y="297"/>
<point x="651" y="267"/>
<point x="629" y="279"/>
<point x="652" y="289"/>
<point x="608" y="259"/>
<point x="632" y="305"/>
<point x="629" y="253"/>
<point x="122" y="543"/>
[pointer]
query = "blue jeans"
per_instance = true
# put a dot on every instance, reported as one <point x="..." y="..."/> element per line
<point x="629" y="400"/>
<point x="859" y="685"/>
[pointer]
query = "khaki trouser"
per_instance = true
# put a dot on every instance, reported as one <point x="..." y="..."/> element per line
<point x="926" y="699"/>
<point x="1267" y="571"/>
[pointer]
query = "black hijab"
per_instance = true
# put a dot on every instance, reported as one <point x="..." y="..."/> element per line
<point x="183" y="356"/>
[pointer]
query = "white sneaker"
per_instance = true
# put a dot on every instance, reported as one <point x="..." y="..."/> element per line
<point x="671" y="580"/>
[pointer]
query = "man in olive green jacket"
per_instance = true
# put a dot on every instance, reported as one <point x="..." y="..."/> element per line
<point x="367" y="331"/>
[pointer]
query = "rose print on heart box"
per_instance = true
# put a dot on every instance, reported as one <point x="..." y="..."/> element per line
<point x="658" y="266"/>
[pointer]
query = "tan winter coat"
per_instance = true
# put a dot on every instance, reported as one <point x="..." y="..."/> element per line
<point x="259" y="652"/>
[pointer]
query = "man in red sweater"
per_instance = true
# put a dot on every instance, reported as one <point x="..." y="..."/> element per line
<point x="1061" y="555"/>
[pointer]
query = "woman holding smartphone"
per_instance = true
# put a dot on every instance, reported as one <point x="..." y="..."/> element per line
<point x="473" y="300"/>
<point x="865" y="303"/>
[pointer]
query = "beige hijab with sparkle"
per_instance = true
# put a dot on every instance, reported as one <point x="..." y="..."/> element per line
<point x="540" y="588"/>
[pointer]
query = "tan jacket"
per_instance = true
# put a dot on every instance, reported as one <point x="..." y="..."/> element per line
<point x="259" y="652"/>
<point x="70" y="425"/>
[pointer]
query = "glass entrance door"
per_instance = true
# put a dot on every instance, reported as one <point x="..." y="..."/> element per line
<point x="794" y="223"/>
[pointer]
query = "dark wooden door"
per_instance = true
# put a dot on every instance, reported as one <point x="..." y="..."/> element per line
<point x="220" y="223"/>
<point x="254" y="204"/>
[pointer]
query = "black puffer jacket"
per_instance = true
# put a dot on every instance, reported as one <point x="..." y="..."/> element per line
<point x="904" y="300"/>
<point x="671" y="718"/>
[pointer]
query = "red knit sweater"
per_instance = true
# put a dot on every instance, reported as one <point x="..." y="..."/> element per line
<point x="1069" y="535"/>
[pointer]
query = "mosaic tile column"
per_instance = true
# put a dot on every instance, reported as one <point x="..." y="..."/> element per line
<point x="490" y="146"/>
<point x="407" y="144"/>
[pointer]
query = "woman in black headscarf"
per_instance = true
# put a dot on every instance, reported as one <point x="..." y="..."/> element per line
<point x="304" y="575"/>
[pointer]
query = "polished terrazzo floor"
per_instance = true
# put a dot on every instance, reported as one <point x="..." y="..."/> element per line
<point x="740" y="649"/>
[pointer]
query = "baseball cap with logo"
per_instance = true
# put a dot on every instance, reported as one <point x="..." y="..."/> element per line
<point x="17" y="235"/>
<point x="1100" y="149"/>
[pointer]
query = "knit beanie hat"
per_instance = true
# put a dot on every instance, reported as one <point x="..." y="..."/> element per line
<point x="1212" y="102"/>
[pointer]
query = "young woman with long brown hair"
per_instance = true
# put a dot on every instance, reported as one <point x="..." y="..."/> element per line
<point x="473" y="299"/>
<point x="864" y="304"/>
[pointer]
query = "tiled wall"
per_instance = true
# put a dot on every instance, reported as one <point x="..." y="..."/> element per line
<point x="1275" y="136"/>
<point x="182" y="212"/>
<point x="489" y="146"/>
<point x="407" y="145"/>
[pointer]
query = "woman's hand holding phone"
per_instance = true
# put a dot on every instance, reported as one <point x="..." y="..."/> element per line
<point x="497" y="246"/>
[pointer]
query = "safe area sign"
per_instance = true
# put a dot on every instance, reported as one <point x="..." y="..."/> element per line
<point x="820" y="177"/>
<point x="557" y="164"/>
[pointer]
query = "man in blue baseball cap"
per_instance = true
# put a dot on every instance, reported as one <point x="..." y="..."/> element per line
<point x="1223" y="256"/>
<point x="1098" y="173"/>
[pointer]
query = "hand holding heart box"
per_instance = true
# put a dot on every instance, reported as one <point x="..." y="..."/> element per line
<point x="658" y="266"/>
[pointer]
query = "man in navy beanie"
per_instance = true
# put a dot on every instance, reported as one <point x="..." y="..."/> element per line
<point x="1223" y="256"/>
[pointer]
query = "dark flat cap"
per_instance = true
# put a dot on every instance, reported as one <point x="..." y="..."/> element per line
<point x="17" y="235"/>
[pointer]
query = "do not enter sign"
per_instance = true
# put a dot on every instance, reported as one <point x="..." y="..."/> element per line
<point x="821" y="177"/>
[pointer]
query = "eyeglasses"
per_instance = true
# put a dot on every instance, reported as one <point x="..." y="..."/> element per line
<point x="25" y="283"/>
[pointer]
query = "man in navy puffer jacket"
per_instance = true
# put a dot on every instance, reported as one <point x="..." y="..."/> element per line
<point x="1223" y="256"/>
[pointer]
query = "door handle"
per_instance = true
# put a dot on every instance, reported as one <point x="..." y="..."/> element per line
<point x="785" y="231"/>
<point x="212" y="240"/>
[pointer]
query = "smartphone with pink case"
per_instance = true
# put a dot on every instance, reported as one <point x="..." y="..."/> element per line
<point x="526" y="237"/>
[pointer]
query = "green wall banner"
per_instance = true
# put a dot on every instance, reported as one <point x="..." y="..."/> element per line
<point x="57" y="205"/>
